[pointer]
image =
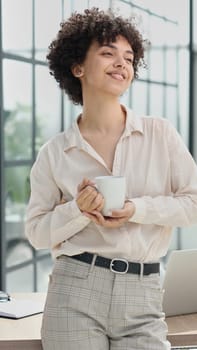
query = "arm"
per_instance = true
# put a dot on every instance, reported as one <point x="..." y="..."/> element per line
<point x="179" y="208"/>
<point x="48" y="222"/>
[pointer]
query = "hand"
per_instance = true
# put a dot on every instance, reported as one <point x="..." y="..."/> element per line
<point x="117" y="218"/>
<point x="88" y="198"/>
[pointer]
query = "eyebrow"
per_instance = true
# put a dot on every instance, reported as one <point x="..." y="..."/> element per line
<point x="114" y="47"/>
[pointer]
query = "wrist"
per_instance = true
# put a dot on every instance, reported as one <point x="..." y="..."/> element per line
<point x="131" y="207"/>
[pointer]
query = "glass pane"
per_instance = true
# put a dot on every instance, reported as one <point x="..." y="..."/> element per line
<point x="125" y="98"/>
<point x="157" y="31"/>
<point x="20" y="280"/>
<point x="194" y="22"/>
<point x="156" y="100"/>
<point x="18" y="249"/>
<point x="184" y="93"/>
<point x="44" y="268"/>
<point x="184" y="22"/>
<point x="17" y="105"/>
<point x="48" y="106"/>
<point x="156" y="65"/>
<point x="42" y="252"/>
<point x="81" y="5"/>
<point x="171" y="105"/>
<point x="47" y="23"/>
<point x="139" y="97"/>
<point x="67" y="10"/>
<point x="189" y="237"/>
<point x="71" y="112"/>
<point x="17" y="26"/>
<point x="171" y="34"/>
<point x="121" y="7"/>
<point x="17" y="195"/>
<point x="171" y="66"/>
<point x="67" y="112"/>
<point x="173" y="10"/>
<point x="143" y="72"/>
<point x="75" y="111"/>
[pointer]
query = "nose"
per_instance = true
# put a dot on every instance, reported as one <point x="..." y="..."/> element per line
<point x="119" y="62"/>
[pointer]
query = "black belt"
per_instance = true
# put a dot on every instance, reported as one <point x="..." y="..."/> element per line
<point x="119" y="265"/>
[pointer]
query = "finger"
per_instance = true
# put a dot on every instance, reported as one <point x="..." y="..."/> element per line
<point x="113" y="223"/>
<point x="100" y="207"/>
<point x="107" y="222"/>
<point x="88" y="191"/>
<point x="100" y="218"/>
<point x="116" y="214"/>
<point x="120" y="213"/>
<point x="85" y="183"/>
<point x="85" y="199"/>
<point x="82" y="184"/>
<point x="97" y="203"/>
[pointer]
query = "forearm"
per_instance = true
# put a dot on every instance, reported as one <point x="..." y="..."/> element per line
<point x="47" y="230"/>
<point x="165" y="210"/>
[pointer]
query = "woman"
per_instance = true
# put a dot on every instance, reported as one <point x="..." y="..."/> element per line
<point x="93" y="302"/>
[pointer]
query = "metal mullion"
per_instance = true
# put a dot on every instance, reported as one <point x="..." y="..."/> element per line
<point x="62" y="126"/>
<point x="191" y="79"/>
<point x="159" y="82"/>
<point x="164" y="77"/>
<point x="2" y="187"/>
<point x="27" y="262"/>
<point x="11" y="163"/>
<point x="33" y="85"/>
<point x="19" y="266"/>
<point x="11" y="56"/>
<point x="148" y="76"/>
<point x="34" y="123"/>
<point x="148" y="82"/>
<point x="177" y="94"/>
<point x="146" y="10"/>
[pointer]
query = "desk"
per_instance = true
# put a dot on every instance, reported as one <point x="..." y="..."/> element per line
<point x="24" y="334"/>
<point x="182" y="330"/>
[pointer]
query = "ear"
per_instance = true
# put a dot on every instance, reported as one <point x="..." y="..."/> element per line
<point x="77" y="71"/>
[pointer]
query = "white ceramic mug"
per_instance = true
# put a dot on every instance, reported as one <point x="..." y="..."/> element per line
<point x="113" y="189"/>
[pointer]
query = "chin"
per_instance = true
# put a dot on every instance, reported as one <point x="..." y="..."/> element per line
<point x="117" y="92"/>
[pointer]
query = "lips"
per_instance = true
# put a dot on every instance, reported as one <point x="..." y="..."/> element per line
<point x="117" y="75"/>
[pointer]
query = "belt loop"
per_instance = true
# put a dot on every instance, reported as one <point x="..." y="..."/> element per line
<point x="141" y="271"/>
<point x="93" y="262"/>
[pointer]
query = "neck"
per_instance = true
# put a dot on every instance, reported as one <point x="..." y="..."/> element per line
<point x="102" y="115"/>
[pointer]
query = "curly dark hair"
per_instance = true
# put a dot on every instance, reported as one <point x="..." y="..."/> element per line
<point x="76" y="35"/>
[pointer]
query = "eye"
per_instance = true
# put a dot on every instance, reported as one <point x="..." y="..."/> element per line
<point x="107" y="53"/>
<point x="130" y="60"/>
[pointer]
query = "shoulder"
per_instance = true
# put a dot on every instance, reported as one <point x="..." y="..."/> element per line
<point x="52" y="145"/>
<point x="154" y="122"/>
<point x="157" y="127"/>
<point x="161" y="130"/>
<point x="147" y="123"/>
<point x="52" y="152"/>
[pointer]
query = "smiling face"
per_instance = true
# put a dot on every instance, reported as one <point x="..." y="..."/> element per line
<point x="108" y="68"/>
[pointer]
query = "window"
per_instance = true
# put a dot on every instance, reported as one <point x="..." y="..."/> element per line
<point x="33" y="109"/>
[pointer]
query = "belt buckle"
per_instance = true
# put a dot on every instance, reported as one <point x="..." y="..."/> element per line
<point x="122" y="260"/>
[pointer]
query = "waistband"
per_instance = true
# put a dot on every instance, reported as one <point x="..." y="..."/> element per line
<point x="119" y="265"/>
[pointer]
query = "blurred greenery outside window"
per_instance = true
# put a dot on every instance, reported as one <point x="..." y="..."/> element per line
<point x="35" y="109"/>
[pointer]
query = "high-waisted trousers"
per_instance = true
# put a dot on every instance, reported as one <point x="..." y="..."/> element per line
<point x="92" y="308"/>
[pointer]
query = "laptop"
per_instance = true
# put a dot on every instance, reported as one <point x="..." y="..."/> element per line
<point x="180" y="283"/>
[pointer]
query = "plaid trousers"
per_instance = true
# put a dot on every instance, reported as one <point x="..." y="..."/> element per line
<point x="91" y="308"/>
